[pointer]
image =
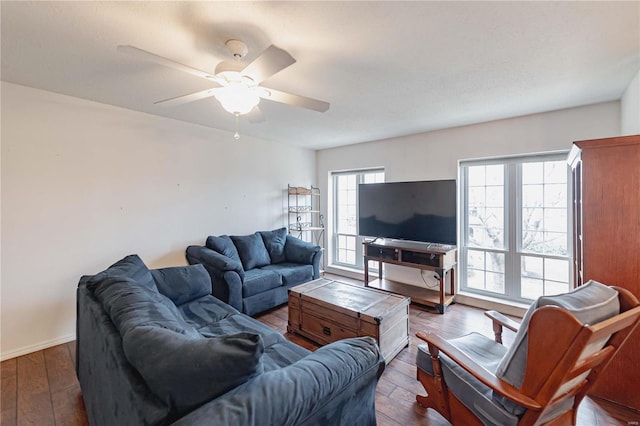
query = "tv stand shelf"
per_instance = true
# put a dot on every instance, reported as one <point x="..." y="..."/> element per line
<point x="440" y="258"/>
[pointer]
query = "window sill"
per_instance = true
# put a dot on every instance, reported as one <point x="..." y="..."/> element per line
<point x="345" y="271"/>
<point x="492" y="303"/>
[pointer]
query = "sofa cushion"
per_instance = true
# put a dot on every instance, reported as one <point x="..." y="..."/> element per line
<point x="183" y="284"/>
<point x="238" y="323"/>
<point x="252" y="251"/>
<point x="224" y="246"/>
<point x="274" y="242"/>
<point x="130" y="304"/>
<point x="292" y="273"/>
<point x="260" y="280"/>
<point x="186" y="372"/>
<point x="282" y="354"/>
<point x="205" y="310"/>
<point x="590" y="303"/>
<point x="131" y="267"/>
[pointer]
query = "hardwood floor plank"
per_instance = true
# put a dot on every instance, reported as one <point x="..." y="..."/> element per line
<point x="72" y="351"/>
<point x="68" y="407"/>
<point x="9" y="403"/>
<point x="66" y="398"/>
<point x="34" y="394"/>
<point x="60" y="369"/>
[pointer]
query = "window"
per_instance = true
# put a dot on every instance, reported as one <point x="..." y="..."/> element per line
<point x="515" y="226"/>
<point x="347" y="246"/>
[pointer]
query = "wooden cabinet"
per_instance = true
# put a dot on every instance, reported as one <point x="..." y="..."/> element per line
<point x="438" y="258"/>
<point x="606" y="212"/>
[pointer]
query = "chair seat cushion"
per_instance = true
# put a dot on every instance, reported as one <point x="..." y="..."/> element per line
<point x="471" y="392"/>
<point x="260" y="280"/>
<point x="292" y="273"/>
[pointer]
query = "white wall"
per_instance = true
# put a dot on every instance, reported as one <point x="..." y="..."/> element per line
<point x="84" y="184"/>
<point x="435" y="155"/>
<point x="630" y="106"/>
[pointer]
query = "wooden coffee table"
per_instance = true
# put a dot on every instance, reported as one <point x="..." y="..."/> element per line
<point x="325" y="311"/>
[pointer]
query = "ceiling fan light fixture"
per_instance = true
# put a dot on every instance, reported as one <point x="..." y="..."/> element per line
<point x="237" y="98"/>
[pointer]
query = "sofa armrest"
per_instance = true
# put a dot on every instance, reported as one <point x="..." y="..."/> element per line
<point x="226" y="274"/>
<point x="334" y="385"/>
<point x="298" y="251"/>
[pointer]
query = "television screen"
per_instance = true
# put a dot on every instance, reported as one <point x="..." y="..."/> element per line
<point x="418" y="211"/>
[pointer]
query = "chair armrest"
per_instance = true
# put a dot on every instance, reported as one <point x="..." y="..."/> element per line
<point x="500" y="321"/>
<point x="437" y="344"/>
<point x="334" y="384"/>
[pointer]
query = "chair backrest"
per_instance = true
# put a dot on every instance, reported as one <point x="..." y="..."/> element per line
<point x="589" y="303"/>
<point x="567" y="341"/>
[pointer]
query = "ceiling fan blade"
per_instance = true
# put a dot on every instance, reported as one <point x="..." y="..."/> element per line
<point x="255" y="115"/>
<point x="295" y="100"/>
<point x="270" y="62"/>
<point x="143" y="54"/>
<point x="179" y="100"/>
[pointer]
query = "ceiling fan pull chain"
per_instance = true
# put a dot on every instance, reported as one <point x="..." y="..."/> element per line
<point x="237" y="135"/>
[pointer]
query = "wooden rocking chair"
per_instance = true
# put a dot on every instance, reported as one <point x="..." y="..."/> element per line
<point x="562" y="345"/>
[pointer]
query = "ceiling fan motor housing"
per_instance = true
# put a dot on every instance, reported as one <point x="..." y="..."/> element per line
<point x="237" y="48"/>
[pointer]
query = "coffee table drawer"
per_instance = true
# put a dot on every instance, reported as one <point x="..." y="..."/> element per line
<point x="324" y="330"/>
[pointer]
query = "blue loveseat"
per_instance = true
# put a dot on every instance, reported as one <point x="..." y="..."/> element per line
<point x="155" y="348"/>
<point x="253" y="273"/>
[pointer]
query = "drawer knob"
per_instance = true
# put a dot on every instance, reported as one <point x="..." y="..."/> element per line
<point x="326" y="330"/>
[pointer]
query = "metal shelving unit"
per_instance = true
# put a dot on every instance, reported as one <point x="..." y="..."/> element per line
<point x="305" y="219"/>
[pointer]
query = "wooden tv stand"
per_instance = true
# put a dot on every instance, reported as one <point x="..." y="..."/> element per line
<point x="441" y="259"/>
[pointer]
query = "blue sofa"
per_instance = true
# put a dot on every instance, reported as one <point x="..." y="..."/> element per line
<point x="155" y="348"/>
<point x="253" y="273"/>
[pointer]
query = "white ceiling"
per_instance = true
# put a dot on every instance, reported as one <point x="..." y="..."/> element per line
<point x="387" y="68"/>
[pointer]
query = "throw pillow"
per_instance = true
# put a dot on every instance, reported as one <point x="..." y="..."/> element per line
<point x="183" y="284"/>
<point x="252" y="251"/>
<point x="131" y="267"/>
<point x="298" y="251"/>
<point x="224" y="246"/>
<point x="186" y="373"/>
<point x="274" y="242"/>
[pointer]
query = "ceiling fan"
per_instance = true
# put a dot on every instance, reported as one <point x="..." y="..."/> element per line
<point x="238" y="83"/>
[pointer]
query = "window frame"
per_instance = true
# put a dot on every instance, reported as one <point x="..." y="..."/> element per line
<point x="335" y="235"/>
<point x="512" y="217"/>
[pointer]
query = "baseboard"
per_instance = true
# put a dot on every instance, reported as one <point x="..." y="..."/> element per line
<point x="36" y="347"/>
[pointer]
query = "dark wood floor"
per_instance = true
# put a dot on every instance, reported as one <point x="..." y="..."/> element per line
<point x="41" y="388"/>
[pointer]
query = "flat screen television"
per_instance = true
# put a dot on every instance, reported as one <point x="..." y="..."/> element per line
<point x="422" y="211"/>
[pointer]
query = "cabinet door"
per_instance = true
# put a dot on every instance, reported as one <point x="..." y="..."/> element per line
<point x="610" y="232"/>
